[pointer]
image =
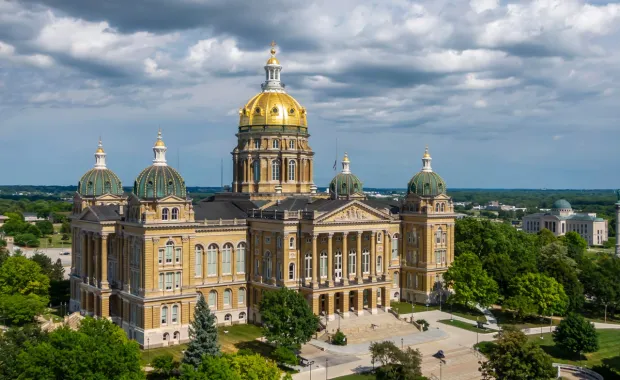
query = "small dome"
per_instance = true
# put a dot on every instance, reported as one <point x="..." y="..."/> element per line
<point x="97" y="182"/>
<point x="426" y="184"/>
<point x="159" y="181"/>
<point x="273" y="61"/>
<point x="561" y="204"/>
<point x="345" y="185"/>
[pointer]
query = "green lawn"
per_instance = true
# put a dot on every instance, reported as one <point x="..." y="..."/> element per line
<point x="466" y="326"/>
<point x="597" y="314"/>
<point x="239" y="336"/>
<point x="56" y="242"/>
<point x="606" y="360"/>
<point x="506" y="318"/>
<point x="465" y="312"/>
<point x="406" y="308"/>
<point x="357" y="376"/>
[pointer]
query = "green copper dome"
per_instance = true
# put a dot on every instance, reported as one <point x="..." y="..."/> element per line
<point x="100" y="180"/>
<point x="158" y="182"/>
<point x="345" y="184"/>
<point x="561" y="204"/>
<point x="97" y="182"/>
<point x="426" y="184"/>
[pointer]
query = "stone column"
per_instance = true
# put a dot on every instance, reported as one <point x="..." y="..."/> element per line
<point x="387" y="250"/>
<point x="372" y="301"/>
<point x="345" y="304"/>
<point x="358" y="260"/>
<point x="330" y="260"/>
<point x="104" y="262"/>
<point x="373" y="256"/>
<point x="84" y="255"/>
<point x="275" y="261"/>
<point x="250" y="247"/>
<point x="218" y="263"/>
<point x="89" y="258"/>
<point x="261" y="251"/>
<point x="359" y="307"/>
<point x="96" y="258"/>
<point x="331" y="299"/>
<point x="345" y="260"/>
<point x="315" y="262"/>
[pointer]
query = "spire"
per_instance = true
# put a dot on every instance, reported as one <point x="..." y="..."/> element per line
<point x="272" y="73"/>
<point x="160" y="151"/>
<point x="426" y="161"/>
<point x="345" y="164"/>
<point x="100" y="157"/>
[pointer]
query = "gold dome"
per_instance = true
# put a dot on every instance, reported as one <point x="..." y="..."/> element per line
<point x="159" y="141"/>
<point x="426" y="154"/>
<point x="346" y="157"/>
<point x="272" y="108"/>
<point x="273" y="61"/>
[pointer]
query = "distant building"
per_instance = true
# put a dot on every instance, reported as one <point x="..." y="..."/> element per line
<point x="562" y="219"/>
<point x="32" y="217"/>
<point x="3" y="219"/>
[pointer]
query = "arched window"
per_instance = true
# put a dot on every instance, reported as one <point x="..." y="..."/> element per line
<point x="323" y="264"/>
<point x="107" y="187"/>
<point x="226" y="257"/>
<point x="164" y="214"/>
<point x="291" y="170"/>
<point x="395" y="246"/>
<point x="175" y="313"/>
<point x="227" y="297"/>
<point x="352" y="261"/>
<point x="228" y="318"/>
<point x="177" y="336"/>
<point x="443" y="207"/>
<point x="365" y="261"/>
<point x="308" y="266"/>
<point x="438" y="236"/>
<point x="212" y="301"/>
<point x="256" y="170"/>
<point x="437" y="207"/>
<point x="291" y="271"/>
<point x="291" y="243"/>
<point x="267" y="265"/>
<point x="198" y="252"/>
<point x="379" y="264"/>
<point x="175" y="213"/>
<point x="164" y="315"/>
<point x="275" y="144"/>
<point x="242" y="315"/>
<point x="212" y="260"/>
<point x="169" y="251"/>
<point x="241" y="296"/>
<point x="166" y="337"/>
<point x="240" y="266"/>
<point x="275" y="170"/>
<point x="396" y="278"/>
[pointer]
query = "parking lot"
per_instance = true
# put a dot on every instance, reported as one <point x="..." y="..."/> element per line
<point x="54" y="254"/>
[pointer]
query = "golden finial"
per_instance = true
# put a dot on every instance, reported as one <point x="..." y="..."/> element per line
<point x="100" y="147"/>
<point x="346" y="157"/>
<point x="426" y="155"/>
<point x="273" y="47"/>
<point x="159" y="142"/>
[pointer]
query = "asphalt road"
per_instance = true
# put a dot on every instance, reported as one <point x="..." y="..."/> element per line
<point x="54" y="254"/>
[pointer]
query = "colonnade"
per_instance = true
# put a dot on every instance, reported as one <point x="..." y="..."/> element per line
<point x="351" y="301"/>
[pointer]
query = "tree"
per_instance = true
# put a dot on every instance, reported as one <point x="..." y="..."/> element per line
<point x="576" y="334"/>
<point x="23" y="276"/>
<point x="545" y="237"/>
<point x="396" y="364"/>
<point x="470" y="282"/>
<point x="599" y="281"/>
<point x="555" y="262"/>
<point x="19" y="309"/>
<point x="255" y="367"/>
<point x="233" y="367"/>
<point x="12" y="342"/>
<point x="575" y="244"/>
<point x="515" y="357"/>
<point x="202" y="334"/>
<point x="543" y="294"/>
<point x="65" y="227"/>
<point x="287" y="318"/>
<point x="45" y="226"/>
<point x="15" y="224"/>
<point x="44" y="262"/>
<point x="97" y="350"/>
<point x="27" y="240"/>
<point x="501" y="268"/>
<point x="58" y="271"/>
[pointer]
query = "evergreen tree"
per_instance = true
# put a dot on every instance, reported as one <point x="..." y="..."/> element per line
<point x="202" y="334"/>
<point x="58" y="271"/>
<point x="576" y="334"/>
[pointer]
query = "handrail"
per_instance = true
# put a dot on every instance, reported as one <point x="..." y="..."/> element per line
<point x="582" y="370"/>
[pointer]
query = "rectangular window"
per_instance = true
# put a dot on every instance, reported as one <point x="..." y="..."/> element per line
<point x="226" y="261"/>
<point x="198" y="268"/>
<point x="211" y="262"/>
<point x="175" y="313"/>
<point x="177" y="255"/>
<point x="161" y="281"/>
<point x="291" y="243"/>
<point x="256" y="267"/>
<point x="437" y="257"/>
<point x="160" y="258"/>
<point x="352" y="268"/>
<point x="256" y="144"/>
<point x="169" y="249"/>
<point x="169" y="280"/>
<point x="240" y="267"/>
<point x="267" y="240"/>
<point x="177" y="280"/>
<point x="409" y="237"/>
<point x="394" y="248"/>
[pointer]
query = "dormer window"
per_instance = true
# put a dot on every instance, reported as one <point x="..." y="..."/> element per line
<point x="257" y="110"/>
<point x="275" y="144"/>
<point x="164" y="214"/>
<point x="274" y="110"/>
<point x="175" y="213"/>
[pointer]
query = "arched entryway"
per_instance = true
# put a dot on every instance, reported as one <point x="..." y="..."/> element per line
<point x="366" y="298"/>
<point x="322" y="304"/>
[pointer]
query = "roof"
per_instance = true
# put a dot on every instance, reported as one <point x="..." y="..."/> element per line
<point x="159" y="181"/>
<point x="561" y="204"/>
<point x="97" y="181"/>
<point x="326" y="205"/>
<point x="224" y="206"/>
<point x="107" y="212"/>
<point x="426" y="183"/>
<point x="577" y="217"/>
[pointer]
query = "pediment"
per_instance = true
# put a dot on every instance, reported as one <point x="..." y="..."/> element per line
<point x="89" y="215"/>
<point x="354" y="212"/>
<point x="109" y="198"/>
<point x="171" y="199"/>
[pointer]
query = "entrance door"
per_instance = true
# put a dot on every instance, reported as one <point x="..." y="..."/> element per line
<point x="338" y="265"/>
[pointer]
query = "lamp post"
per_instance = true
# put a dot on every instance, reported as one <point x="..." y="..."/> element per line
<point x="325" y="368"/>
<point x="402" y="346"/>
<point x="148" y="346"/>
<point x="311" y="363"/>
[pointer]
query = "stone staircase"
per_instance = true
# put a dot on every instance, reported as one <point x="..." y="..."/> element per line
<point x="368" y="327"/>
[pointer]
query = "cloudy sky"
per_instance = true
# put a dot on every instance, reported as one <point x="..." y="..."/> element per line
<point x="511" y="94"/>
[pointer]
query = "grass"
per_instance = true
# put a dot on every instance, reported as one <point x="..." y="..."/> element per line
<point x="606" y="360"/>
<point x="507" y="318"/>
<point x="56" y="240"/>
<point x="357" y="376"/>
<point x="465" y="312"/>
<point x="597" y="314"/>
<point x="406" y="308"/>
<point x="465" y="326"/>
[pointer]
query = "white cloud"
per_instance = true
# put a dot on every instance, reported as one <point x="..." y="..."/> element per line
<point x="480" y="6"/>
<point x="9" y="53"/>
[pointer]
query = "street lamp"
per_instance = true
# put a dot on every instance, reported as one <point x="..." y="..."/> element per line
<point x="148" y="346"/>
<point x="402" y="347"/>
<point x="311" y="363"/>
<point x="325" y="368"/>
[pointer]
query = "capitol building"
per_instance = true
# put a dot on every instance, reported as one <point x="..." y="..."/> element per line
<point x="140" y="258"/>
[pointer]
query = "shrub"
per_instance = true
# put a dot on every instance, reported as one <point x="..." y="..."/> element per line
<point x="285" y="356"/>
<point x="164" y="364"/>
<point x="423" y="323"/>
<point x="339" y="339"/>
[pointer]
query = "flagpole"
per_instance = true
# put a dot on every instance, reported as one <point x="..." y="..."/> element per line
<point x="336" y="160"/>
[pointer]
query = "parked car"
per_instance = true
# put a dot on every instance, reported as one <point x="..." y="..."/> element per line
<point x="66" y="253"/>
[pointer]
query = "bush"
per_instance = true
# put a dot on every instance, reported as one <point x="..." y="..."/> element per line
<point x="285" y="356"/>
<point x="164" y="364"/>
<point x="423" y="323"/>
<point x="339" y="339"/>
<point x="26" y="240"/>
